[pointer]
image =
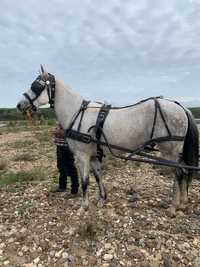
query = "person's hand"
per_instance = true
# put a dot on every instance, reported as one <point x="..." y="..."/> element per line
<point x="59" y="132"/>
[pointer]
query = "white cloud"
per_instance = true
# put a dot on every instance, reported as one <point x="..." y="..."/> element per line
<point x="119" y="42"/>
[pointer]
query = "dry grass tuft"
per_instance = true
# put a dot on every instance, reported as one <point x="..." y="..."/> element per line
<point x="3" y="165"/>
<point x="24" y="157"/>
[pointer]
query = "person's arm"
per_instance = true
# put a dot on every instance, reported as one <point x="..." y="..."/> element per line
<point x="59" y="136"/>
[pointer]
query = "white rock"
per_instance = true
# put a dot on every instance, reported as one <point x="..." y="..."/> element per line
<point x="11" y="240"/>
<point x="52" y="253"/>
<point x="6" y="263"/>
<point x="105" y="265"/>
<point x="99" y="252"/>
<point x="108" y="245"/>
<point x="1" y="251"/>
<point x="29" y="265"/>
<point x="65" y="255"/>
<point x="2" y="245"/>
<point x="36" y="260"/>
<point x="23" y="230"/>
<point x="108" y="257"/>
<point x="25" y="248"/>
<point x="20" y="253"/>
<point x="59" y="253"/>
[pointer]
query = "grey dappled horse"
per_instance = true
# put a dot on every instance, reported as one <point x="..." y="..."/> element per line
<point x="128" y="127"/>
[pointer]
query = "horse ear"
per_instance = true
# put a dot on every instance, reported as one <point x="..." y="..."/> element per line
<point x="42" y="69"/>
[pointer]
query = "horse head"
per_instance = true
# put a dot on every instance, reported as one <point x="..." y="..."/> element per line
<point x="41" y="92"/>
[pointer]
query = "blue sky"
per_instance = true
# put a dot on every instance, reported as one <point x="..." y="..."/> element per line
<point x="117" y="50"/>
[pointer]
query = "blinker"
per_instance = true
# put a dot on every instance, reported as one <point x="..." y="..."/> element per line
<point x="37" y="87"/>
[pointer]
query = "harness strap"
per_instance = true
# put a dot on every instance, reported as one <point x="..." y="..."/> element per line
<point x="87" y="139"/>
<point x="51" y="95"/>
<point x="158" y="108"/>
<point x="155" y="118"/>
<point x="146" y="158"/>
<point x="81" y="110"/>
<point x="163" y="118"/>
<point x="31" y="101"/>
<point x="103" y="112"/>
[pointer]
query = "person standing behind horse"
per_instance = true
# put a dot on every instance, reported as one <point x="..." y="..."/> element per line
<point x="65" y="163"/>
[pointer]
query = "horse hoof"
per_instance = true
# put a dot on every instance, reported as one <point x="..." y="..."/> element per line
<point x="180" y="213"/>
<point x="101" y="202"/>
<point x="182" y="207"/>
<point x="172" y="212"/>
<point x="85" y="206"/>
<point x="81" y="211"/>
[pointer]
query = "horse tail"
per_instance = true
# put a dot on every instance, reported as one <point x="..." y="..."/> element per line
<point x="191" y="145"/>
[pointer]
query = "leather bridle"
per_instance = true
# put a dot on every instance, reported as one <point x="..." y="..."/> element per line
<point x="38" y="86"/>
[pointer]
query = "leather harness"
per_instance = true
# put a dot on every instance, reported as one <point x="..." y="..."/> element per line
<point x="100" y="138"/>
<point x="98" y="128"/>
<point x="39" y="85"/>
<point x="103" y="113"/>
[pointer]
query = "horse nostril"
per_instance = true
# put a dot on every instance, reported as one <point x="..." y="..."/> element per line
<point x="19" y="107"/>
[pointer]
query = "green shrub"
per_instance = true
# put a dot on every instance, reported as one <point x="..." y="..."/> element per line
<point x="22" y="177"/>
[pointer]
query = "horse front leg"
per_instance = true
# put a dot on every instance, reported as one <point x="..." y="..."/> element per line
<point x="84" y="170"/>
<point x="96" y="169"/>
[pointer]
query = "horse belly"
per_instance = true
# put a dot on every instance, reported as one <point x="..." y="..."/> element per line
<point x="129" y="133"/>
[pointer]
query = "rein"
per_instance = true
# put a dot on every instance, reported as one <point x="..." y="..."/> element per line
<point x="143" y="157"/>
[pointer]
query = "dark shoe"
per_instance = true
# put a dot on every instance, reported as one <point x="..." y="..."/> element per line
<point x="58" y="190"/>
<point x="74" y="190"/>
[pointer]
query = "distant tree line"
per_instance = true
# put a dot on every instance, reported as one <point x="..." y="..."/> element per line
<point x="195" y="112"/>
<point x="11" y="114"/>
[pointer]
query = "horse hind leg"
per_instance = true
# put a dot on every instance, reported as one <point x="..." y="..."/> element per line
<point x="171" y="151"/>
<point x="185" y="183"/>
<point x="184" y="190"/>
<point x="96" y="169"/>
<point x="182" y="181"/>
<point x="182" y="178"/>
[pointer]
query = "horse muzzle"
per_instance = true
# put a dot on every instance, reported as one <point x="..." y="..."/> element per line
<point x="24" y="106"/>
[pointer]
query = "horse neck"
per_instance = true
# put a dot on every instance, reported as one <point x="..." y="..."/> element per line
<point x="67" y="103"/>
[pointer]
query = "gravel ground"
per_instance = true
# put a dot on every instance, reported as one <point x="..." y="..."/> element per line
<point x="39" y="229"/>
